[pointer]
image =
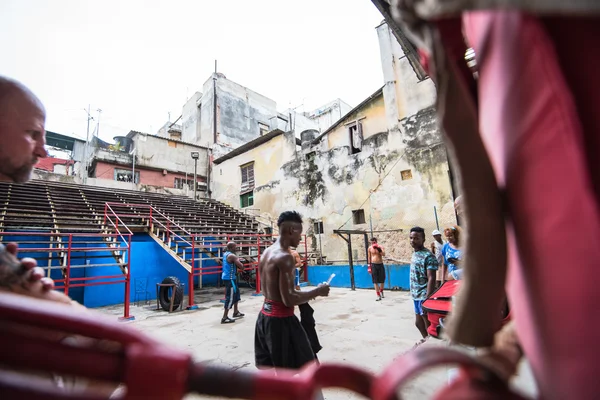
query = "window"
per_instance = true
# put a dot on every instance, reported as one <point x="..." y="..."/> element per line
<point x="263" y="128"/>
<point x="124" y="175"/>
<point x="247" y="177"/>
<point x="358" y="216"/>
<point x="356" y="137"/>
<point x="247" y="200"/>
<point x="180" y="183"/>
<point x="318" y="227"/>
<point x="406" y="174"/>
<point x="311" y="156"/>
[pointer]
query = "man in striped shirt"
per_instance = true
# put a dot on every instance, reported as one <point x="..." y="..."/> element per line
<point x="231" y="264"/>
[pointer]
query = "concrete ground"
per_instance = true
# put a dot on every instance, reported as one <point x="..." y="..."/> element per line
<point x="353" y="328"/>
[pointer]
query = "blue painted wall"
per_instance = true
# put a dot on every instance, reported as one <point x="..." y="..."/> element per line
<point x="396" y="275"/>
<point x="150" y="264"/>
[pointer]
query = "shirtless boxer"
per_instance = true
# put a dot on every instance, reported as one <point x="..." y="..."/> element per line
<point x="279" y="339"/>
<point x="376" y="254"/>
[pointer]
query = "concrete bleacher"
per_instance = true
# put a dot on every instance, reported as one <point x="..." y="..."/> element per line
<point x="70" y="208"/>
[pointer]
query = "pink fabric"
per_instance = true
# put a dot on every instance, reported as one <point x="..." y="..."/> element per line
<point x="532" y="132"/>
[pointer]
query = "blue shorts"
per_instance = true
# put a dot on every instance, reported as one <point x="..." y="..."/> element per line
<point x="232" y="293"/>
<point x="418" y="304"/>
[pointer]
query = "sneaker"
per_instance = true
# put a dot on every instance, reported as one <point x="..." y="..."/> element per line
<point x="382" y="296"/>
<point x="227" y="320"/>
<point x="378" y="298"/>
<point x="238" y="315"/>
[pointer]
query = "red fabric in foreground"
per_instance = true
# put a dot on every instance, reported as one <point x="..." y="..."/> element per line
<point x="532" y="128"/>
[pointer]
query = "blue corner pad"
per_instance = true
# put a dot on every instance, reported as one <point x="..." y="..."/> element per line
<point x="256" y="294"/>
<point x="303" y="284"/>
<point x="194" y="307"/>
<point x="123" y="319"/>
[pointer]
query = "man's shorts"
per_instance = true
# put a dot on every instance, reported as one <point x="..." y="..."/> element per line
<point x="378" y="273"/>
<point x="418" y="304"/>
<point x="232" y="293"/>
<point x="279" y="339"/>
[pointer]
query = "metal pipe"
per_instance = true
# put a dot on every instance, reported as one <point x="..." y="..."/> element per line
<point x="215" y="104"/>
<point x="208" y="172"/>
<point x="191" y="274"/>
<point x="350" y="262"/>
<point x="128" y="281"/>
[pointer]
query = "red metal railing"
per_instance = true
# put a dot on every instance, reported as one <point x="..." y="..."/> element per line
<point x="62" y="258"/>
<point x="199" y="244"/>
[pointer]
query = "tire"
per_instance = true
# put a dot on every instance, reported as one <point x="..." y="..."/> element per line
<point x="163" y="294"/>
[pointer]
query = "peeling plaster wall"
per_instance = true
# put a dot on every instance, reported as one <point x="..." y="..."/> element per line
<point x="404" y="94"/>
<point x="328" y="114"/>
<point x="268" y="159"/>
<point x="239" y="112"/>
<point x="373" y="122"/>
<point x="191" y="120"/>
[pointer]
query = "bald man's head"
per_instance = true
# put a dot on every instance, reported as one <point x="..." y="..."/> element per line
<point x="231" y="246"/>
<point x="22" y="131"/>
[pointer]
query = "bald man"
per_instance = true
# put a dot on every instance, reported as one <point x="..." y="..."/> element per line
<point x="22" y="140"/>
<point x="231" y="264"/>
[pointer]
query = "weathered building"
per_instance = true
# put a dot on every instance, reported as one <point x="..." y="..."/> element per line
<point x="383" y="164"/>
<point x="243" y="115"/>
<point x="328" y="114"/>
<point x="149" y="162"/>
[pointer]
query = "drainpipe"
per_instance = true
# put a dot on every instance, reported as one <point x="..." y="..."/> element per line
<point x="215" y="104"/>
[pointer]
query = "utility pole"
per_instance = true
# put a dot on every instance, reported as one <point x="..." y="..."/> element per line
<point x="87" y="145"/>
<point x="98" y="123"/>
<point x="371" y="211"/>
<point x="215" y="104"/>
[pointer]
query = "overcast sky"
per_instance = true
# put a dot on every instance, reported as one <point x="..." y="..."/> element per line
<point x="140" y="60"/>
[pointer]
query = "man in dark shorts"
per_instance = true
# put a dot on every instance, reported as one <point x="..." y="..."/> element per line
<point x="279" y="339"/>
<point x="376" y="254"/>
<point x="231" y="264"/>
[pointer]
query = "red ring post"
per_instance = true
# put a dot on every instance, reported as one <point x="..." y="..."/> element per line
<point x="191" y="305"/>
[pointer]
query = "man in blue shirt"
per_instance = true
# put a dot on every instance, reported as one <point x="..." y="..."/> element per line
<point x="231" y="264"/>
<point x="423" y="267"/>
